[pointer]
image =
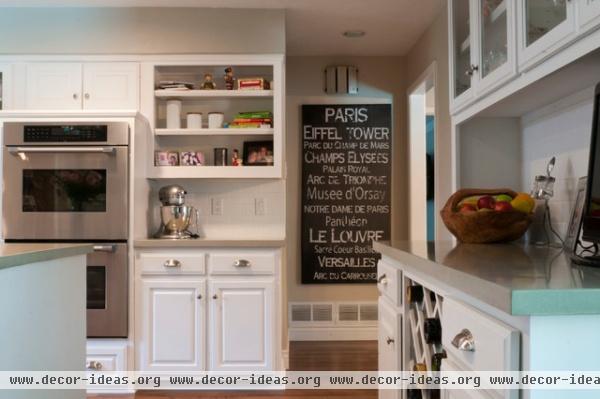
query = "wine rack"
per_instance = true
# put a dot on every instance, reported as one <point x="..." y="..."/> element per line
<point x="418" y="352"/>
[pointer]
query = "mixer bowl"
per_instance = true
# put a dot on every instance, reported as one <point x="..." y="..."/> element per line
<point x="175" y="221"/>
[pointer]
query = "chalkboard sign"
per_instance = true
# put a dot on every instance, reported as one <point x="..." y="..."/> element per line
<point x="346" y="171"/>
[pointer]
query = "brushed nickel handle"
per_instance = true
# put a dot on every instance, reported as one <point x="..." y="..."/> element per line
<point x="464" y="341"/>
<point x="390" y="340"/>
<point x="104" y="248"/>
<point x="172" y="263"/>
<point x="242" y="263"/>
<point x="215" y="296"/>
<point x="472" y="69"/>
<point x="94" y="365"/>
<point x="105" y="150"/>
<point x="382" y="279"/>
<point x="87" y="96"/>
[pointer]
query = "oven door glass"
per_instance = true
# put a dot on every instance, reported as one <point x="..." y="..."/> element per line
<point x="64" y="190"/>
<point x="76" y="195"/>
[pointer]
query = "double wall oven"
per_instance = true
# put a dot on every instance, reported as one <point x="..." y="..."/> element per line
<point x="68" y="182"/>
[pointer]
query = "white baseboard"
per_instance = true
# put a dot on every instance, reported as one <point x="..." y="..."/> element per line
<point x="332" y="334"/>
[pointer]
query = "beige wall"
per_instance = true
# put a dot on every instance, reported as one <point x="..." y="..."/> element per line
<point x="381" y="79"/>
<point x="140" y="31"/>
<point x="433" y="47"/>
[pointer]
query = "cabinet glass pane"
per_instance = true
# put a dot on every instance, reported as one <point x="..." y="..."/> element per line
<point x="494" y="36"/>
<point x="462" y="46"/>
<point x="542" y="16"/>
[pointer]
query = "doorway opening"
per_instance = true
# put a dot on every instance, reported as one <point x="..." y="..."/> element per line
<point x="422" y="124"/>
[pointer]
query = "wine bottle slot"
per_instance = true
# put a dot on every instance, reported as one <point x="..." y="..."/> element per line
<point x="432" y="330"/>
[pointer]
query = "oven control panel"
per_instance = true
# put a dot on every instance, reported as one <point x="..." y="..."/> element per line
<point x="65" y="133"/>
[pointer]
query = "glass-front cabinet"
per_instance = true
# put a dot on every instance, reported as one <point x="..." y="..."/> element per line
<point x="483" y="49"/>
<point x="544" y="26"/>
<point x="589" y="14"/>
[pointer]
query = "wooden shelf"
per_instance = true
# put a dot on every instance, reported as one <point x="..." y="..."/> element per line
<point x="214" y="172"/>
<point x="215" y="132"/>
<point x="165" y="93"/>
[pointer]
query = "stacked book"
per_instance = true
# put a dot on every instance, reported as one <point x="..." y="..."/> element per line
<point x="175" y="85"/>
<point x="253" y="119"/>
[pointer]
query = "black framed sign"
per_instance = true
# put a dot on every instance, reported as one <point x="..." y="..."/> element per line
<point x="346" y="198"/>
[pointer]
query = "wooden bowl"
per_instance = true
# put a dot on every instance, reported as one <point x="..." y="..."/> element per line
<point x="484" y="227"/>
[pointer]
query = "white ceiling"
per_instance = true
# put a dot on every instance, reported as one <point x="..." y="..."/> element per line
<point x="314" y="27"/>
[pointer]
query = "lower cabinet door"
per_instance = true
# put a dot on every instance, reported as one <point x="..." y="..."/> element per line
<point x="241" y="325"/>
<point x="173" y="323"/>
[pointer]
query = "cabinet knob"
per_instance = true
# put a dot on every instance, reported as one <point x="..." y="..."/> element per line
<point x="87" y="96"/>
<point x="464" y="341"/>
<point x="94" y="365"/>
<point x="75" y="96"/>
<point x="382" y="279"/>
<point x="472" y="69"/>
<point x="215" y="296"/>
<point x="172" y="263"/>
<point x="242" y="263"/>
<point x="199" y="296"/>
<point x="389" y="340"/>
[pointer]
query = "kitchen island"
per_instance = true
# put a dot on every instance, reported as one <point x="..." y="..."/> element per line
<point x="43" y="308"/>
<point x="525" y="308"/>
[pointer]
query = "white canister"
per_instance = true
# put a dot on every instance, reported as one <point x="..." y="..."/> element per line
<point x="215" y="120"/>
<point x="194" y="120"/>
<point x="174" y="114"/>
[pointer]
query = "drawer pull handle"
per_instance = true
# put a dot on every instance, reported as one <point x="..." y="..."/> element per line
<point x="464" y="341"/>
<point x="242" y="263"/>
<point x="382" y="279"/>
<point x="94" y="365"/>
<point x="172" y="263"/>
<point x="389" y="340"/>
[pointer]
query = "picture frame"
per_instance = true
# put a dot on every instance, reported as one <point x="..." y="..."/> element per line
<point x="574" y="229"/>
<point x="258" y="153"/>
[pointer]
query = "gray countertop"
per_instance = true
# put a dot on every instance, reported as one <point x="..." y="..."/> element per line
<point x="21" y="254"/>
<point x="517" y="279"/>
<point x="205" y="243"/>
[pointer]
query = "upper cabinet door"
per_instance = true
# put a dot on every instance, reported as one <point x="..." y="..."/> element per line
<point x="53" y="86"/>
<point x="497" y="58"/>
<point x="462" y="52"/>
<point x="544" y="27"/>
<point x="589" y="14"/>
<point x="241" y="334"/>
<point x="113" y="85"/>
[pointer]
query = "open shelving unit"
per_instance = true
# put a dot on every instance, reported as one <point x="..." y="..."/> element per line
<point x="228" y="102"/>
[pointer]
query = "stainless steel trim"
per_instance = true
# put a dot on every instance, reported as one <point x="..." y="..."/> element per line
<point x="52" y="150"/>
<point x="104" y="248"/>
<point x="242" y="263"/>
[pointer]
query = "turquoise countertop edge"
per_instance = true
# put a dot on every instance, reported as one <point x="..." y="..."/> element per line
<point x="552" y="302"/>
<point x="12" y="255"/>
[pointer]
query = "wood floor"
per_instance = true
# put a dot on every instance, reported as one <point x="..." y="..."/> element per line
<point x="304" y="356"/>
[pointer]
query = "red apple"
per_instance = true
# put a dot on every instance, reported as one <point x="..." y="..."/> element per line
<point x="503" y="206"/>
<point x="486" y="202"/>
<point x="467" y="208"/>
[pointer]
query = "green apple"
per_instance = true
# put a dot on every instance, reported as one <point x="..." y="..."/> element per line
<point x="503" y="198"/>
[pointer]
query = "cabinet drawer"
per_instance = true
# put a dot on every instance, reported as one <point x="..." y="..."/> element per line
<point x="389" y="282"/>
<point x="242" y="263"/>
<point x="496" y="345"/>
<point x="175" y="262"/>
<point x="102" y="357"/>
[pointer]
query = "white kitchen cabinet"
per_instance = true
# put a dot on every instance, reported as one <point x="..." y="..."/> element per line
<point x="242" y="327"/>
<point x="173" y="319"/>
<point x="111" y="85"/>
<point x="589" y="14"/>
<point x="448" y="365"/>
<point x="53" y="86"/>
<point x="544" y="26"/>
<point x="483" y="52"/>
<point x="90" y="86"/>
<point x="389" y="345"/>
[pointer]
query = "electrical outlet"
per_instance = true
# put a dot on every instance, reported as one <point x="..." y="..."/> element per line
<point x="260" y="205"/>
<point x="216" y="207"/>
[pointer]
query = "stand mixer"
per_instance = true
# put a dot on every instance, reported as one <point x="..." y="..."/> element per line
<point x="175" y="216"/>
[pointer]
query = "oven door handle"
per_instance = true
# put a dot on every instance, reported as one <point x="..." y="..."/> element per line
<point x="103" y="150"/>
<point x="104" y="248"/>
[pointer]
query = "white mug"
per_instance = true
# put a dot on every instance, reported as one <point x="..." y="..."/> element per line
<point x="215" y="120"/>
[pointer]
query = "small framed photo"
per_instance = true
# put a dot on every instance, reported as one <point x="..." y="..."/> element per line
<point x="258" y="153"/>
<point x="574" y="228"/>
